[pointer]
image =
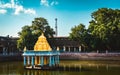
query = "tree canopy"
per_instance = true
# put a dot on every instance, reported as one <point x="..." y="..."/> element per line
<point x="79" y="33"/>
<point x="103" y="32"/>
<point x="30" y="33"/>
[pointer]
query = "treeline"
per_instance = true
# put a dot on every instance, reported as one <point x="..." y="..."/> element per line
<point x="103" y="32"/>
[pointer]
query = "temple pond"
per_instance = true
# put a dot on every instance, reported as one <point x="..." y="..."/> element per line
<point x="85" y="68"/>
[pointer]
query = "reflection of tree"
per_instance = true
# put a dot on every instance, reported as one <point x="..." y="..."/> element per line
<point x="15" y="68"/>
<point x="11" y="68"/>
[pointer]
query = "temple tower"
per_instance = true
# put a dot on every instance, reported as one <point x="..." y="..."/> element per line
<point x="56" y="30"/>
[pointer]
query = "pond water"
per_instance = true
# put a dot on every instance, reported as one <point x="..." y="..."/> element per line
<point x="85" y="68"/>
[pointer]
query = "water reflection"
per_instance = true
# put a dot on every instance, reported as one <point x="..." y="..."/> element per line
<point x="38" y="72"/>
<point x="66" y="68"/>
<point x="9" y="68"/>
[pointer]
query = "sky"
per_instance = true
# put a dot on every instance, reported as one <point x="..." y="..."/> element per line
<point x="14" y="14"/>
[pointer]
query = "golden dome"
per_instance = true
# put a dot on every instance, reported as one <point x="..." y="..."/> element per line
<point x="42" y="44"/>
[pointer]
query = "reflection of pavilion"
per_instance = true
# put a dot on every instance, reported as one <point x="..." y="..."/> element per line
<point x="42" y="57"/>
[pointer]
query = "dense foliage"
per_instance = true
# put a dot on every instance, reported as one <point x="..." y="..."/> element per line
<point x="103" y="32"/>
<point x="30" y="33"/>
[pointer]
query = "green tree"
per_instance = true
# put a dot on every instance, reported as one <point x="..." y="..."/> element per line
<point x="103" y="32"/>
<point x="25" y="35"/>
<point x="104" y="26"/>
<point x="79" y="33"/>
<point x="30" y="34"/>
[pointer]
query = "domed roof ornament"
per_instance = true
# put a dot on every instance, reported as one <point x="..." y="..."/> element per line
<point x="42" y="44"/>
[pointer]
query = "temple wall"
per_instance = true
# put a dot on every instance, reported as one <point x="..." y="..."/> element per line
<point x="11" y="58"/>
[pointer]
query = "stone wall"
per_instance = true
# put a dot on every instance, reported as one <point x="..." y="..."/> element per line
<point x="10" y="58"/>
<point x="90" y="56"/>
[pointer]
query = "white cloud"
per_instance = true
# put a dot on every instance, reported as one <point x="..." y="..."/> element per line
<point x="13" y="4"/>
<point x="47" y="3"/>
<point x="7" y="5"/>
<point x="29" y="11"/>
<point x="44" y="2"/>
<point x="17" y="7"/>
<point x="54" y="3"/>
<point x="3" y="11"/>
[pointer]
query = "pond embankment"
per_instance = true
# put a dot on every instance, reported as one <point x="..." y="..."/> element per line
<point x="70" y="56"/>
<point x="90" y="56"/>
<point x="17" y="57"/>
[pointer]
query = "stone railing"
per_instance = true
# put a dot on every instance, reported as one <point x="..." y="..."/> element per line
<point x="37" y="53"/>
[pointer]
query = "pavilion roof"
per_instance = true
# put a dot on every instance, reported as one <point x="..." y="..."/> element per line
<point x="42" y="44"/>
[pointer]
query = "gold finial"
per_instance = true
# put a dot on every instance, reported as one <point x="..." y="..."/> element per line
<point x="42" y="34"/>
<point x="25" y="48"/>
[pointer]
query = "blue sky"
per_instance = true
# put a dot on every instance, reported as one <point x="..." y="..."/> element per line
<point x="15" y="14"/>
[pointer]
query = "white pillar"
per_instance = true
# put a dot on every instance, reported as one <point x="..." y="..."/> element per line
<point x="79" y="48"/>
<point x="74" y="49"/>
<point x="42" y="60"/>
<point x="69" y="48"/>
<point x="24" y="61"/>
<point x="3" y="51"/>
<point x="53" y="60"/>
<point x="97" y="51"/>
<point x="32" y="61"/>
<point x="64" y="48"/>
<point x="50" y="63"/>
<point x="28" y="60"/>
<point x="106" y="51"/>
<point x="6" y="50"/>
<point x="58" y="59"/>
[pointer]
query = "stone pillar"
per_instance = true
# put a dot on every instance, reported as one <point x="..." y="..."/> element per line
<point x="106" y="51"/>
<point x="6" y="50"/>
<point x="50" y="62"/>
<point x="24" y="61"/>
<point x="64" y="48"/>
<point x="69" y="48"/>
<point x="97" y="51"/>
<point x="3" y="51"/>
<point x="74" y="49"/>
<point x="79" y="48"/>
<point x="28" y="60"/>
<point x="32" y="61"/>
<point x="42" y="60"/>
<point x="53" y="61"/>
